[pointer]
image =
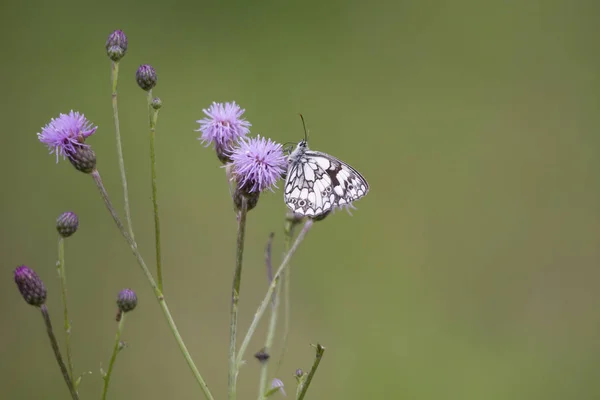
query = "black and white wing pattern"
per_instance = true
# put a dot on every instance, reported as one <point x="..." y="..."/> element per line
<point x="317" y="183"/>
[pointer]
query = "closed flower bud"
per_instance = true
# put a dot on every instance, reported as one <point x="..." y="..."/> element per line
<point x="251" y="199"/>
<point x="67" y="223"/>
<point x="30" y="285"/>
<point x="262" y="356"/>
<point x="83" y="159"/>
<point x="156" y="103"/>
<point x="146" y="77"/>
<point x="116" y="45"/>
<point x="127" y="300"/>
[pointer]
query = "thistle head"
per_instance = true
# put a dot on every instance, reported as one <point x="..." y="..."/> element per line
<point x="83" y="159"/>
<point x="116" y="45"/>
<point x="30" y="285"/>
<point x="223" y="126"/>
<point x="257" y="164"/>
<point x="126" y="300"/>
<point x="67" y="223"/>
<point x="65" y="135"/>
<point x="146" y="77"/>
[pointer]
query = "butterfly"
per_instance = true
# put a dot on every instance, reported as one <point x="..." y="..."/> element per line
<point x="316" y="182"/>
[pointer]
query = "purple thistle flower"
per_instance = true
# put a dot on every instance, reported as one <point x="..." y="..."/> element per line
<point x="66" y="134"/>
<point x="223" y="126"/>
<point x="258" y="163"/>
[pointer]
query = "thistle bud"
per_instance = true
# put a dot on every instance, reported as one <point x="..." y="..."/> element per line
<point x="251" y="198"/>
<point x="299" y="373"/>
<point x="127" y="300"/>
<point x="116" y="45"/>
<point x="146" y="77"/>
<point x="30" y="285"/>
<point x="156" y="103"/>
<point x="83" y="159"/>
<point x="67" y="223"/>
<point x="262" y="356"/>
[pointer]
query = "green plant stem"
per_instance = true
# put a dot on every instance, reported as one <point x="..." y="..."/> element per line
<point x="311" y="374"/>
<point x="57" y="354"/>
<point x="159" y="296"/>
<point x="235" y="298"/>
<point x="265" y="303"/>
<point x="264" y="369"/>
<point x="113" y="357"/>
<point x="152" y="117"/>
<point x="63" y="285"/>
<point x="264" y="373"/>
<point x="288" y="236"/>
<point x="115" y="79"/>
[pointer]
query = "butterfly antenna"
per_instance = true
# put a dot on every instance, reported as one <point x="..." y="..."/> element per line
<point x="305" y="130"/>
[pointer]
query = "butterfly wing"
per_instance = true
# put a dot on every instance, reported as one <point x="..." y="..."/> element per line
<point x="318" y="182"/>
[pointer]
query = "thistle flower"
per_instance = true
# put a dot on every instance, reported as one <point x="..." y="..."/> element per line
<point x="127" y="300"/>
<point x="116" y="45"/>
<point x="30" y="285"/>
<point x="146" y="77"/>
<point x="223" y="127"/>
<point x="67" y="223"/>
<point x="66" y="134"/>
<point x="258" y="163"/>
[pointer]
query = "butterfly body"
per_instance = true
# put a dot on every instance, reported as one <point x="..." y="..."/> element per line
<point x="317" y="182"/>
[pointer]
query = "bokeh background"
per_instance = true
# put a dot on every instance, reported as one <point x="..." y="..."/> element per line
<point x="470" y="271"/>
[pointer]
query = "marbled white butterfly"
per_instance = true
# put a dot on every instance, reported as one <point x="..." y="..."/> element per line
<point x="317" y="183"/>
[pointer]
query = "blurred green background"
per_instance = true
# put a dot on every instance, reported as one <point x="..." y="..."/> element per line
<point x="470" y="271"/>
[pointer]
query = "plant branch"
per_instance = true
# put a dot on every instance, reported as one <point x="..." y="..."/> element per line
<point x="235" y="297"/>
<point x="57" y="354"/>
<point x="159" y="296"/>
<point x="152" y="116"/>
<point x="115" y="79"/>
<point x="313" y="370"/>
<point x="113" y="357"/>
<point x="63" y="285"/>
<point x="264" y="304"/>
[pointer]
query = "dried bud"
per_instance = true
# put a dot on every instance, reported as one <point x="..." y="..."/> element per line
<point x="116" y="45"/>
<point x="251" y="198"/>
<point x="262" y="356"/>
<point x="83" y="159"/>
<point x="146" y="77"/>
<point x="127" y="300"/>
<point x="156" y="103"/>
<point x="67" y="223"/>
<point x="30" y="285"/>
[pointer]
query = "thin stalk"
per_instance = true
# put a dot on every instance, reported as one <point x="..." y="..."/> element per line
<point x="159" y="296"/>
<point x="152" y="116"/>
<point x="235" y="298"/>
<point x="289" y="234"/>
<point x="115" y="79"/>
<point x="265" y="303"/>
<point x="264" y="373"/>
<point x="57" y="354"/>
<point x="113" y="357"/>
<point x="313" y="370"/>
<point x="63" y="285"/>
<point x="264" y="369"/>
